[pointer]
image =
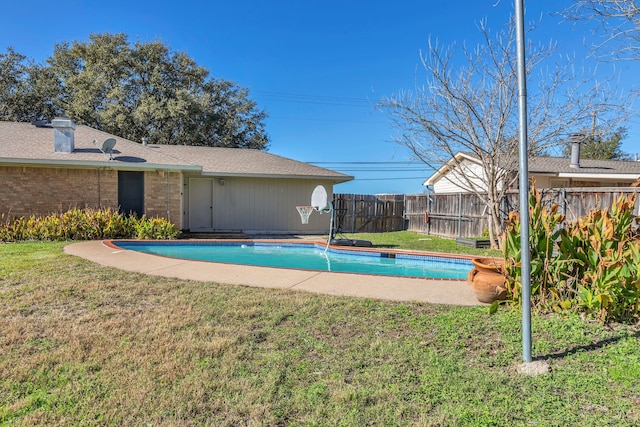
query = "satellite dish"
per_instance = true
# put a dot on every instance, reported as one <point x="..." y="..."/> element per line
<point x="107" y="147"/>
<point x="319" y="199"/>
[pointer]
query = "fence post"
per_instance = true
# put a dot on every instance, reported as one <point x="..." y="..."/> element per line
<point x="405" y="222"/>
<point x="429" y="210"/>
<point x="353" y="213"/>
<point x="460" y="214"/>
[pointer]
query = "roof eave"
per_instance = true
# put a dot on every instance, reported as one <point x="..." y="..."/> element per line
<point x="336" y="178"/>
<point x="96" y="164"/>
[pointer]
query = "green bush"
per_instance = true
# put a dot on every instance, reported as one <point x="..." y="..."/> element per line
<point x="155" y="228"/>
<point x="544" y="231"/>
<point x="590" y="266"/>
<point x="85" y="224"/>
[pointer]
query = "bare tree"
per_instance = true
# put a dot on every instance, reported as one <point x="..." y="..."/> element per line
<point x="469" y="105"/>
<point x="618" y="24"/>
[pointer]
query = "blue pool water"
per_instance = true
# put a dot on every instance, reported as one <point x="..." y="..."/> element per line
<point x="308" y="257"/>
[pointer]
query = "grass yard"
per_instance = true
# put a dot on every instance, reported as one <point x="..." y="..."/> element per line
<point x="419" y="242"/>
<point x="88" y="345"/>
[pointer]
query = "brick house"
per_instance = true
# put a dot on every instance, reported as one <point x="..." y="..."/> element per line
<point x="53" y="167"/>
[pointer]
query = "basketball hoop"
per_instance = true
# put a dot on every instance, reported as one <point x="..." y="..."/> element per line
<point x="305" y="212"/>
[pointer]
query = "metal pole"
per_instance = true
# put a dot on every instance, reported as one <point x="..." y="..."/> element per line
<point x="524" y="184"/>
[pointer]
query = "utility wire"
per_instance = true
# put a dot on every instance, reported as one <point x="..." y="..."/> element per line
<point x="383" y="170"/>
<point x="389" y="179"/>
<point x="409" y="162"/>
<point x="326" y="120"/>
<point x="313" y="99"/>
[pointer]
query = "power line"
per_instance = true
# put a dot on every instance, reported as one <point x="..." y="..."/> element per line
<point x="383" y="166"/>
<point x="326" y="120"/>
<point x="408" y="162"/>
<point x="389" y="179"/>
<point x="313" y="99"/>
<point x="383" y="170"/>
<point x="320" y="99"/>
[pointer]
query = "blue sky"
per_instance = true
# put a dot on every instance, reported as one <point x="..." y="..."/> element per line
<point x="317" y="68"/>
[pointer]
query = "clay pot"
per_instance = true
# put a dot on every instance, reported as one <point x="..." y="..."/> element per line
<point x="487" y="279"/>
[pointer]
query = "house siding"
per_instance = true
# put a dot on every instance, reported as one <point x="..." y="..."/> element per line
<point x="452" y="182"/>
<point x="30" y="191"/>
<point x="254" y="205"/>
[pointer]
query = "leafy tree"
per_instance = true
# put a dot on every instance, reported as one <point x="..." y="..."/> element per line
<point x="472" y="108"/>
<point x="27" y="91"/>
<point x="602" y="147"/>
<point x="134" y="91"/>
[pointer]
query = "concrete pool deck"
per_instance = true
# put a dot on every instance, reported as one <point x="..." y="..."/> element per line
<point x="436" y="291"/>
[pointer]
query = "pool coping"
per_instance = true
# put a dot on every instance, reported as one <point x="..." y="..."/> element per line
<point x="437" y="291"/>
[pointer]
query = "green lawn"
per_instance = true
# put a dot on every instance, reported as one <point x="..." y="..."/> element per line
<point x="419" y="242"/>
<point x="88" y="345"/>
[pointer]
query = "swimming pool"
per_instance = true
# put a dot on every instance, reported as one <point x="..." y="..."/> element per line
<point x="308" y="256"/>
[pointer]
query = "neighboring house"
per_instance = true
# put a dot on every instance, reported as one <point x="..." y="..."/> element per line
<point x="54" y="167"/>
<point x="453" y="176"/>
<point x="548" y="172"/>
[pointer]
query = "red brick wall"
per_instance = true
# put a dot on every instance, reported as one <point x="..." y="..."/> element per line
<point x="160" y="187"/>
<point x="36" y="191"/>
<point x="26" y="191"/>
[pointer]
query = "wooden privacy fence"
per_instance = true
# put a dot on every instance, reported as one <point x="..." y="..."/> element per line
<point x="448" y="215"/>
<point x="576" y="202"/>
<point x="359" y="213"/>
<point x="464" y="215"/>
<point x="459" y="214"/>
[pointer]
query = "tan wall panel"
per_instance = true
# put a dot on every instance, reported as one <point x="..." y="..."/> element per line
<point x="265" y="205"/>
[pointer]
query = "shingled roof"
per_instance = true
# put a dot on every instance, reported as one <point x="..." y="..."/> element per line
<point x="596" y="167"/>
<point x="26" y="144"/>
<point x="221" y="161"/>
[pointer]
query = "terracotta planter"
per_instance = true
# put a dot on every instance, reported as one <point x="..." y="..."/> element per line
<point x="487" y="279"/>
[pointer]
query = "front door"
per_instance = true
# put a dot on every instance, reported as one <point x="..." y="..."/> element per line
<point x="131" y="192"/>
<point x="200" y="204"/>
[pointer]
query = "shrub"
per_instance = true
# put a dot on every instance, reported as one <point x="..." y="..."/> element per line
<point x="155" y="228"/>
<point x="591" y="266"/>
<point x="544" y="231"/>
<point x="85" y="224"/>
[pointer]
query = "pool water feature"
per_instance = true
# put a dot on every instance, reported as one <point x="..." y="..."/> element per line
<point x="308" y="256"/>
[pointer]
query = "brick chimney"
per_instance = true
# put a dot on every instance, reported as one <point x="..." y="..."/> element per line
<point x="63" y="130"/>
